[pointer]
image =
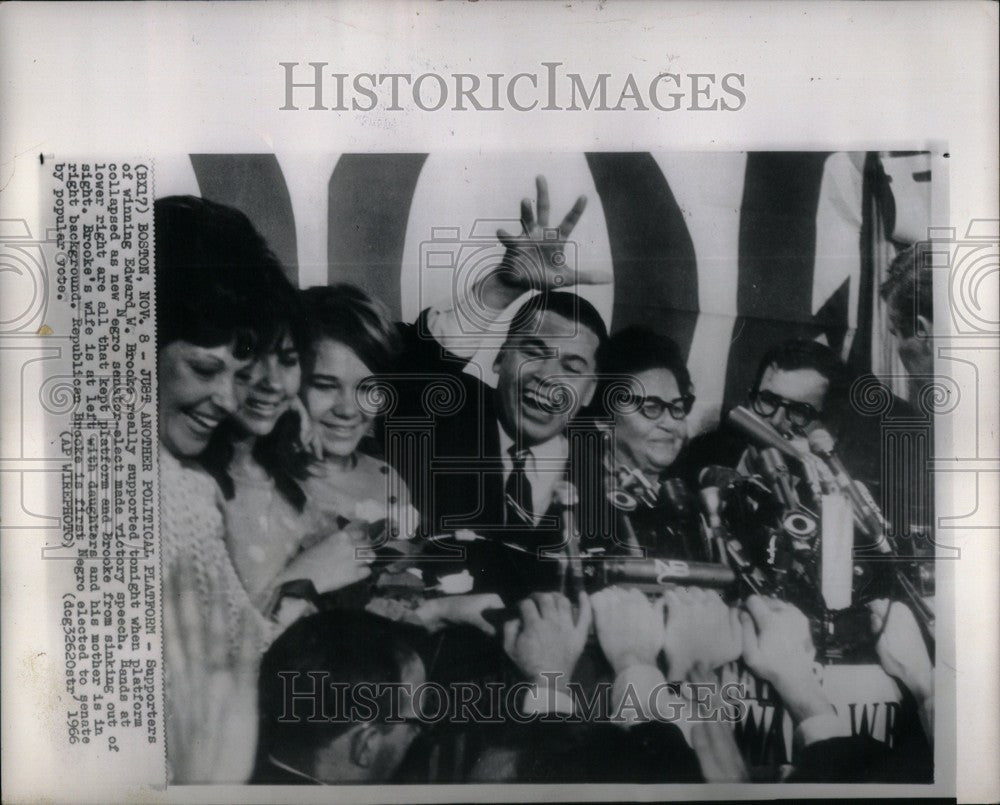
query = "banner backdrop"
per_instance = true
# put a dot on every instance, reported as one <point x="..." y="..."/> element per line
<point x="726" y="253"/>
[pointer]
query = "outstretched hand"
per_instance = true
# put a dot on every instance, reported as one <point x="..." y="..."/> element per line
<point x="340" y="559"/>
<point x="629" y="627"/>
<point x="777" y="644"/>
<point x="467" y="610"/>
<point x="778" y="647"/>
<point x="900" y="646"/>
<point x="538" y="258"/>
<point x="547" y="639"/>
<point x="702" y="633"/>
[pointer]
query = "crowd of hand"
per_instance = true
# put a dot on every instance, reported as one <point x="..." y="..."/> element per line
<point x="688" y="634"/>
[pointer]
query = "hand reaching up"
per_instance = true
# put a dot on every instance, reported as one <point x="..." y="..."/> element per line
<point x="702" y="632"/>
<point x="778" y="647"/>
<point x="547" y="639"/>
<point x="538" y="257"/>
<point x="629" y="627"/>
<point x="900" y="646"/>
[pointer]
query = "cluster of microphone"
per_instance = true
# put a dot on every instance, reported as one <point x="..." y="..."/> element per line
<point x="788" y="522"/>
<point x="761" y="528"/>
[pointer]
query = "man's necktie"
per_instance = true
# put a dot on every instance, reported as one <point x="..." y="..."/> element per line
<point x="517" y="498"/>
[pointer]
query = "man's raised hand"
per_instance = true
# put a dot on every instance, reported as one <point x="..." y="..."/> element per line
<point x="537" y="258"/>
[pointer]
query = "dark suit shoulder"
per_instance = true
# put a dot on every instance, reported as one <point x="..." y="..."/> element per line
<point x="420" y="350"/>
<point x="862" y="759"/>
<point x="601" y="753"/>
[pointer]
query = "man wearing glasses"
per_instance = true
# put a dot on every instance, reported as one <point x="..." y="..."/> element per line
<point x="800" y="385"/>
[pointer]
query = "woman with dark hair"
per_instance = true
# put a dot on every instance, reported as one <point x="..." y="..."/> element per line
<point x="257" y="458"/>
<point x="215" y="277"/>
<point x="644" y="398"/>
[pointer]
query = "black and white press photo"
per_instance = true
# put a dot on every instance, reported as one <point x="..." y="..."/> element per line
<point x="602" y="467"/>
<point x="499" y="401"/>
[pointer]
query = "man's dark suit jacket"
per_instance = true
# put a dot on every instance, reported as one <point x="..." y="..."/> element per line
<point x="443" y="438"/>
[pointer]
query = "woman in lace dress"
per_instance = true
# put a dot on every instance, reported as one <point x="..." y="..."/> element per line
<point x="214" y="276"/>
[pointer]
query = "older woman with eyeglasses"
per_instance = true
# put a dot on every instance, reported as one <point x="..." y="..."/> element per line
<point x="643" y="402"/>
<point x="647" y="392"/>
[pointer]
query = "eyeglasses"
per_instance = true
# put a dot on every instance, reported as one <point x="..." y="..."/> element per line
<point x="800" y="414"/>
<point x="653" y="407"/>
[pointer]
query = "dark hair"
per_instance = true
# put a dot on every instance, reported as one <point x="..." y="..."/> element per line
<point x="562" y="303"/>
<point x="346" y="314"/>
<point x="215" y="277"/>
<point x="801" y="353"/>
<point x="219" y="283"/>
<point x="909" y="289"/>
<point x="339" y="647"/>
<point x="637" y="349"/>
<point x="279" y="452"/>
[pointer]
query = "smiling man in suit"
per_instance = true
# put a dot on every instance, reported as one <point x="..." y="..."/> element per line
<point x="494" y="460"/>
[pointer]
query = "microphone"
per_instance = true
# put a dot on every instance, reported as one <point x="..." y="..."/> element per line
<point x="715" y="480"/>
<point x="564" y="496"/>
<point x="821" y="443"/>
<point x="663" y="572"/>
<point x="761" y="431"/>
<point x="679" y="505"/>
<point x="677" y="498"/>
<point x="714" y="531"/>
<point x="633" y="482"/>
<point x="776" y="471"/>
<point x="810" y="468"/>
<point x="709" y="498"/>
<point x="648" y="575"/>
<point x="796" y="521"/>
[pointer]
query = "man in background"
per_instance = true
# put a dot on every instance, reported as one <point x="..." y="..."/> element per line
<point x="908" y="294"/>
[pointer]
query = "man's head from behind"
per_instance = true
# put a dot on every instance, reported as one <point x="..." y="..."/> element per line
<point x="799" y="385"/>
<point x="335" y="699"/>
<point x="908" y="294"/>
<point x="547" y="367"/>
